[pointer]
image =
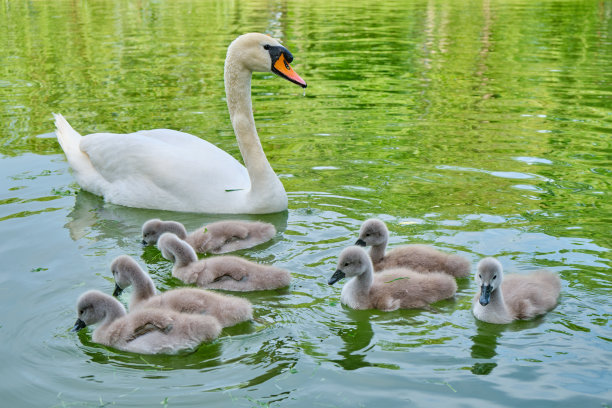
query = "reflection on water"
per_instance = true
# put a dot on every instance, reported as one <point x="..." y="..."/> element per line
<point x="357" y="339"/>
<point x="485" y="342"/>
<point x="92" y="217"/>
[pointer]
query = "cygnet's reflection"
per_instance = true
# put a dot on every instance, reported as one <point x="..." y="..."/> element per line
<point x="357" y="337"/>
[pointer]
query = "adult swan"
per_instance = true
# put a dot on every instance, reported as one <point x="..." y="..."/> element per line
<point x="171" y="170"/>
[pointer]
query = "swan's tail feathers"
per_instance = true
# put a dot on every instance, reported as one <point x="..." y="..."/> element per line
<point x="70" y="141"/>
<point x="67" y="137"/>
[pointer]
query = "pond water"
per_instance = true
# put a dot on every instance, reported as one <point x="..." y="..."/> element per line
<point x="482" y="128"/>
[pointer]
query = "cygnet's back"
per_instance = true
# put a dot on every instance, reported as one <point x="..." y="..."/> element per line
<point x="229" y="310"/>
<point x="215" y="238"/>
<point x="228" y="236"/>
<point x="530" y="295"/>
<point x="220" y="272"/>
<point x="413" y="289"/>
<point x="420" y="258"/>
<point x="147" y="331"/>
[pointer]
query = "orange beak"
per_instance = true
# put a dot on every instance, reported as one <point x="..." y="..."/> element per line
<point x="282" y="68"/>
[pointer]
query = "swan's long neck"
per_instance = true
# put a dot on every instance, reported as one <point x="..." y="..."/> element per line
<point x="238" y="92"/>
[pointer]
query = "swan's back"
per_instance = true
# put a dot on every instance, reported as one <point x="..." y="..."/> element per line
<point x="530" y="295"/>
<point x="165" y="168"/>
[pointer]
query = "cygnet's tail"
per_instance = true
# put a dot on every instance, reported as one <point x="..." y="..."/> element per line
<point x="70" y="140"/>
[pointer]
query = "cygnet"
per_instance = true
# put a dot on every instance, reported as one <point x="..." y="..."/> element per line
<point x="228" y="310"/>
<point x="388" y="290"/>
<point x="146" y="331"/>
<point x="219" y="272"/>
<point x="216" y="238"/>
<point x="502" y="300"/>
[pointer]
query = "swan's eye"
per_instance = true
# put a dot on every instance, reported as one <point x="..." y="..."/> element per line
<point x="479" y="276"/>
<point x="266" y="47"/>
<point x="495" y="276"/>
<point x="346" y="264"/>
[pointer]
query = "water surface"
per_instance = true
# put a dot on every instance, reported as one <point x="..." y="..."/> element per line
<point x="480" y="127"/>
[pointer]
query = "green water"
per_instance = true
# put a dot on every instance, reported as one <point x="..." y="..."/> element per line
<point x="480" y="127"/>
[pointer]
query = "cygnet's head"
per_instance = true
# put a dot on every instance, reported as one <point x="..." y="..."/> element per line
<point x="353" y="261"/>
<point x="153" y="229"/>
<point x="92" y="307"/>
<point x="489" y="277"/>
<point x="373" y="232"/>
<point x="261" y="53"/>
<point x="123" y="269"/>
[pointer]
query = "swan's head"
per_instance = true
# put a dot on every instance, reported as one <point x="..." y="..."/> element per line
<point x="93" y="306"/>
<point x="123" y="269"/>
<point x="373" y="232"/>
<point x="353" y="261"/>
<point x="261" y="53"/>
<point x="489" y="277"/>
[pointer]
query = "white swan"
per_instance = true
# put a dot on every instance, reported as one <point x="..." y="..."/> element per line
<point x="171" y="170"/>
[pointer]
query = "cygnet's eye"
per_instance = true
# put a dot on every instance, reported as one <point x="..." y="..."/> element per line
<point x="266" y="46"/>
<point x="479" y="276"/>
<point x="346" y="264"/>
<point x="494" y="276"/>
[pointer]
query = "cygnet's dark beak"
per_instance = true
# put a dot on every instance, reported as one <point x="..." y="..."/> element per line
<point x="360" y="242"/>
<point x="336" y="277"/>
<point x="118" y="291"/>
<point x="485" y="294"/>
<point x="144" y="243"/>
<point x="78" y="325"/>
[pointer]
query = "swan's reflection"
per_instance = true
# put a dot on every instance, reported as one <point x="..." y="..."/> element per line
<point x="96" y="220"/>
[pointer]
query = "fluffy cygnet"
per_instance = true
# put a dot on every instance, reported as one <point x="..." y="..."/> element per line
<point x="228" y="310"/>
<point x="502" y="300"/>
<point x="147" y="331"/>
<point x="215" y="238"/>
<point x="388" y="290"/>
<point x="219" y="272"/>
<point x="421" y="258"/>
